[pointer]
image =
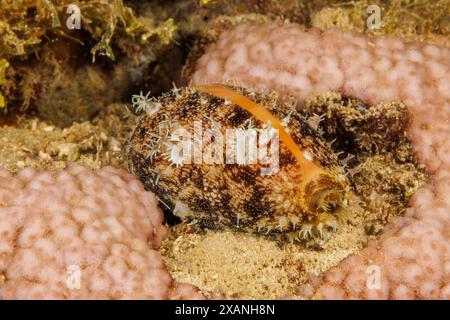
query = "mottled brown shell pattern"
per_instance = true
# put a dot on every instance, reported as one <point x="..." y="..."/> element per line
<point x="237" y="196"/>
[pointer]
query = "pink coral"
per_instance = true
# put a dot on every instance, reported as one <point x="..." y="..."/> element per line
<point x="77" y="233"/>
<point x="412" y="258"/>
<point x="288" y="59"/>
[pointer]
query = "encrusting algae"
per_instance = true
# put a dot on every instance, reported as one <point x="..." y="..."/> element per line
<point x="48" y="60"/>
<point x="306" y="199"/>
<point x="34" y="143"/>
<point x="409" y="20"/>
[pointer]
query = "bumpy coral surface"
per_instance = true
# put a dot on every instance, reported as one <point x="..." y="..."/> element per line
<point x="412" y="258"/>
<point x="289" y="59"/>
<point x="76" y="233"/>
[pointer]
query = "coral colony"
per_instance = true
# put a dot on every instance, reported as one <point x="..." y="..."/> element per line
<point x="413" y="253"/>
<point x="81" y="234"/>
